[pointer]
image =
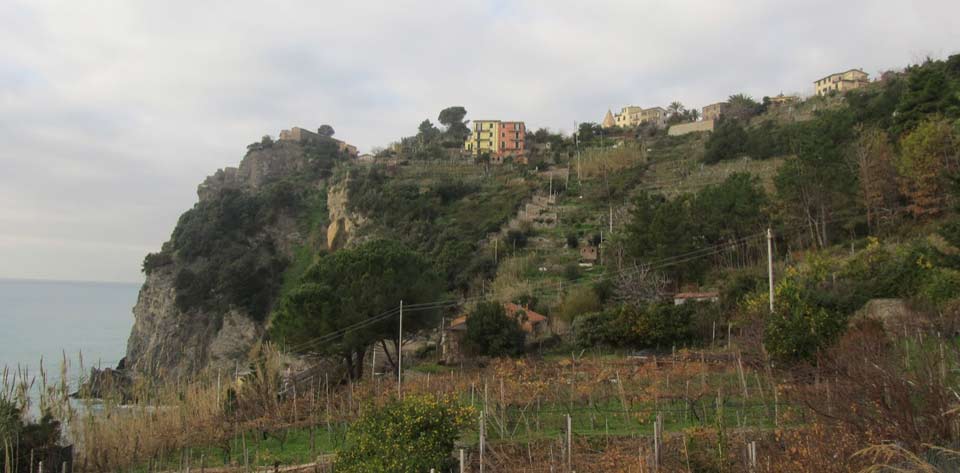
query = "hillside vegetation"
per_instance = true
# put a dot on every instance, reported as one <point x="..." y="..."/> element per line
<point x="855" y="367"/>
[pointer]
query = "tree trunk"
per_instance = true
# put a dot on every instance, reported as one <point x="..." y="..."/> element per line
<point x="383" y="343"/>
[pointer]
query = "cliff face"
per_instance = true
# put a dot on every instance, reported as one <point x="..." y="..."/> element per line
<point x="209" y="291"/>
<point x="166" y="341"/>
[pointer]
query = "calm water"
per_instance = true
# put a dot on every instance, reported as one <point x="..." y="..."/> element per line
<point x="41" y="319"/>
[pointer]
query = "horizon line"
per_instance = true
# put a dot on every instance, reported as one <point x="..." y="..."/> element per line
<point x="72" y="281"/>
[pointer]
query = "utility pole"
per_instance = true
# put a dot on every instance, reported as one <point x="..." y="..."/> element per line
<point x="600" y="250"/>
<point x="576" y="141"/>
<point x="770" y="264"/>
<point x="400" y="354"/>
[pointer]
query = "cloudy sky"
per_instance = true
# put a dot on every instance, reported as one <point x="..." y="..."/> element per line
<point x="111" y="112"/>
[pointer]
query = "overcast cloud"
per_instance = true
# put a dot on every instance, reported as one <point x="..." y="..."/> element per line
<point x="111" y="112"/>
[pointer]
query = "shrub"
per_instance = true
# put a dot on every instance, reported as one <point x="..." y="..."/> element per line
<point x="20" y="438"/>
<point x="799" y="327"/>
<point x="580" y="300"/>
<point x="653" y="326"/>
<point x="728" y="141"/>
<point x="516" y="239"/>
<point x="412" y="435"/>
<point x="155" y="260"/>
<point x="491" y="332"/>
<point x="940" y="286"/>
<point x="572" y="241"/>
<point x="663" y="325"/>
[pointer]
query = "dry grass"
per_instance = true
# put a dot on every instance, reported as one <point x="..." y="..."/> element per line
<point x="597" y="162"/>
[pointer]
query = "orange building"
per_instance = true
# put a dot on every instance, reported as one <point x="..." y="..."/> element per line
<point x="497" y="138"/>
<point x="513" y="136"/>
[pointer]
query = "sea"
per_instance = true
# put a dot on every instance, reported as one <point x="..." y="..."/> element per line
<point x="49" y="321"/>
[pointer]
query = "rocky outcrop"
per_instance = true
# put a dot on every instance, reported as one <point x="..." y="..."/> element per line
<point x="170" y="342"/>
<point x="344" y="225"/>
<point x="167" y="342"/>
<point x="260" y="166"/>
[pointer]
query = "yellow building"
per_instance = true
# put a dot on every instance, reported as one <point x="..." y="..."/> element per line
<point x="841" y="82"/>
<point x="629" y="116"/>
<point x="483" y="138"/>
<point x="632" y="115"/>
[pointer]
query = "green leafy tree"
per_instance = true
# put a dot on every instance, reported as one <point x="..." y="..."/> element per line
<point x="492" y="332"/>
<point x="659" y="229"/>
<point x="326" y="131"/>
<point x="580" y="300"/>
<point x="731" y="210"/>
<point x="928" y="154"/>
<point x="352" y="286"/>
<point x="800" y="326"/>
<point x="413" y="435"/>
<point x="676" y="112"/>
<point x="932" y="88"/>
<point x="728" y="141"/>
<point x="457" y="130"/>
<point x="819" y="183"/>
<point x="742" y="107"/>
<point x="427" y="133"/>
<point x="662" y="325"/>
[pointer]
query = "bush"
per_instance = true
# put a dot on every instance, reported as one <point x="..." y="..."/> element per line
<point x="800" y="327"/>
<point x="412" y="435"/>
<point x="22" y="439"/>
<point x="155" y="260"/>
<point x="516" y="239"/>
<point x="940" y="286"/>
<point x="728" y="141"/>
<point x="572" y="241"/>
<point x="491" y="332"/>
<point x="653" y="326"/>
<point x="663" y="325"/>
<point x="580" y="300"/>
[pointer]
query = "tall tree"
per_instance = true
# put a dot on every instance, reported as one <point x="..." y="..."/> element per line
<point x="872" y="156"/>
<point x="326" y="131"/>
<point x="493" y="332"/>
<point x="676" y="112"/>
<point x="742" y="107"/>
<point x="453" y="118"/>
<point x="353" y="286"/>
<point x="660" y="229"/>
<point x="728" y="212"/>
<point x="427" y="133"/>
<point x="927" y="155"/>
<point x="728" y="141"/>
<point x="817" y="183"/>
<point x="931" y="88"/>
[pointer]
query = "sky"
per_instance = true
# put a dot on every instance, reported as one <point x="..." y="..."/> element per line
<point x="113" y="111"/>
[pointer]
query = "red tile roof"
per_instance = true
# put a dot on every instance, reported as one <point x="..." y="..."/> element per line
<point x="532" y="318"/>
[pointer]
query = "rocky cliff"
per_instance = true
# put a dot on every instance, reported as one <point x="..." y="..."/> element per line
<point x="209" y="291"/>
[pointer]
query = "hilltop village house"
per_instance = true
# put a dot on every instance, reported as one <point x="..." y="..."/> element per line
<point x="497" y="138"/>
<point x="535" y="325"/>
<point x="301" y="135"/>
<point x="714" y="111"/>
<point x="632" y="115"/>
<point x="783" y="100"/>
<point x="841" y="82"/>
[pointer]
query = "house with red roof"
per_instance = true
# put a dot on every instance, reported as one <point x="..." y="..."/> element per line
<point x="535" y="325"/>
